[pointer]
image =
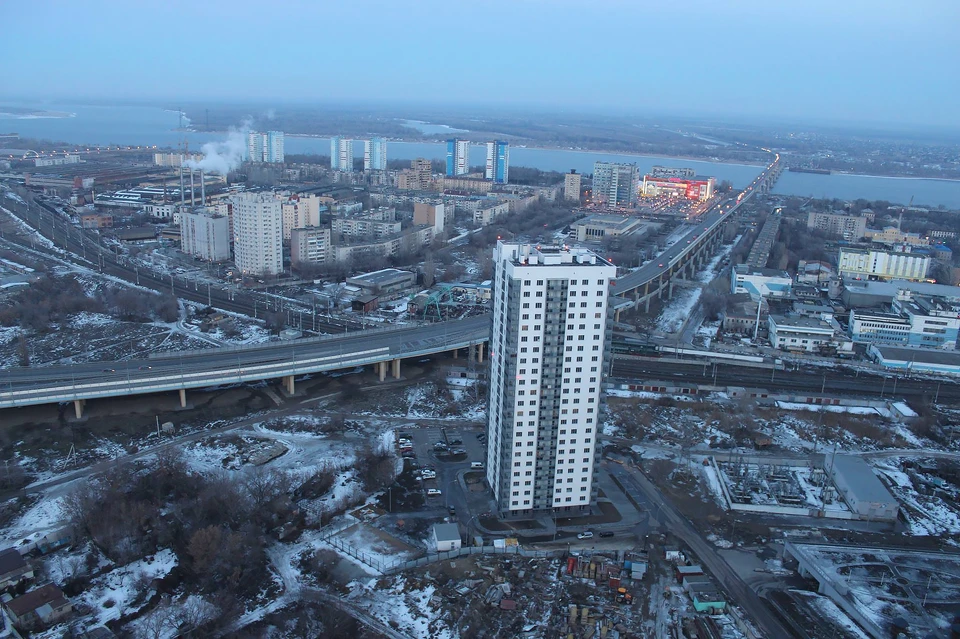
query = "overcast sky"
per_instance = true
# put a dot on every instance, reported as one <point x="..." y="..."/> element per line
<point x="840" y="60"/>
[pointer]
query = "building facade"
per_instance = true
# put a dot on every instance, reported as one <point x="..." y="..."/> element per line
<point x="299" y="211"/>
<point x="341" y="154"/>
<point x="849" y="227"/>
<point x="458" y="157"/>
<point x="265" y="146"/>
<point x="873" y="264"/>
<point x="759" y="283"/>
<point x="205" y="234"/>
<point x="310" y="245"/>
<point x="571" y="186"/>
<point x="615" y="184"/>
<point x="375" y="154"/>
<point x="498" y="162"/>
<point x="486" y="215"/>
<point x="429" y="214"/>
<point x="548" y="346"/>
<point x="258" y="226"/>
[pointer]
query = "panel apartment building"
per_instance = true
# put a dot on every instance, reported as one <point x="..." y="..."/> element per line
<point x="258" y="225"/>
<point x="849" y="227"/>
<point x="548" y="345"/>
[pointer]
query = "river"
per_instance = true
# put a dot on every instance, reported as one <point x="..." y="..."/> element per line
<point x="141" y="125"/>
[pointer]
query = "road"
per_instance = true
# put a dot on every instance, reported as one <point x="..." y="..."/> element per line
<point x="198" y="369"/>
<point x="662" y="263"/>
<point x="86" y="248"/>
<point x="834" y="381"/>
<point x="728" y="578"/>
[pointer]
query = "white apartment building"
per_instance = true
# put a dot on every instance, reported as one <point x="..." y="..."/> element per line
<point x="488" y="214"/>
<point x="309" y="245"/>
<point x="205" y="234"/>
<point x="547" y="351"/>
<point x="258" y="226"/>
<point x="341" y="154"/>
<point x="873" y="264"/>
<point x="849" y="227"/>
<point x="571" y="186"/>
<point x="375" y="154"/>
<point x="300" y="211"/>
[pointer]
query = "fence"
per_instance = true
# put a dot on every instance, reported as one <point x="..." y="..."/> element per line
<point x="471" y="550"/>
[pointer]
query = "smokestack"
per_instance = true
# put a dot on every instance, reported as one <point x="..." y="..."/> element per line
<point x="182" y="193"/>
<point x="203" y="190"/>
<point x="193" y="190"/>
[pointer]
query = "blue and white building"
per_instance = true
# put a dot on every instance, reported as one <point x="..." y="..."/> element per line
<point x="916" y="321"/>
<point x="498" y="162"/>
<point x="458" y="157"/>
<point x="265" y="147"/>
<point x="764" y="282"/>
<point x="341" y="154"/>
<point x="375" y="154"/>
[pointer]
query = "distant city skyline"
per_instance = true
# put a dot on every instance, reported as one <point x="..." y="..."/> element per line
<point x="856" y="61"/>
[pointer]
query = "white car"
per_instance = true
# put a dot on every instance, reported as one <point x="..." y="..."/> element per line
<point x="433" y="492"/>
<point x="428" y="474"/>
<point x="585" y="535"/>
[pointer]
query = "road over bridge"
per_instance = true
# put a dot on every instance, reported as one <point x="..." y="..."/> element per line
<point x="383" y="348"/>
<point x="656" y="279"/>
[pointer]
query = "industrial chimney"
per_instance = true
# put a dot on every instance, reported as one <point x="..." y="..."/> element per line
<point x="182" y="190"/>
<point x="193" y="190"/>
<point x="203" y="190"/>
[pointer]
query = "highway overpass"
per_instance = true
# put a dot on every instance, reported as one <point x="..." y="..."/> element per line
<point x="383" y="348"/>
<point x="681" y="261"/>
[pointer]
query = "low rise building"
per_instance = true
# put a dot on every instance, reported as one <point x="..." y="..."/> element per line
<point x="96" y="220"/>
<point x="372" y="225"/>
<point x="486" y="215"/>
<point x="446" y="537"/>
<point x="597" y="228"/>
<point x="384" y="281"/>
<point x="878" y="327"/>
<point x="13" y="568"/>
<point x="866" y="496"/>
<point x="891" y="235"/>
<point x="921" y="360"/>
<point x="814" y="272"/>
<point x="762" y="282"/>
<point x="874" y="293"/>
<point x="741" y="316"/>
<point x="38" y="608"/>
<point x="866" y="264"/>
<point x="807" y="334"/>
<point x="410" y="240"/>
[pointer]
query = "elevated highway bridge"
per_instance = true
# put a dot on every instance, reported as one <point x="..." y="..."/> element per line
<point x="382" y="348"/>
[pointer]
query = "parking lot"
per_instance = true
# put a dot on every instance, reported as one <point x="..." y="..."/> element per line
<point x="441" y="453"/>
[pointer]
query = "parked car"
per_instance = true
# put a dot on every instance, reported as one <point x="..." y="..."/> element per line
<point x="586" y="534"/>
<point x="440" y="446"/>
<point x="476" y="465"/>
<point x="433" y="492"/>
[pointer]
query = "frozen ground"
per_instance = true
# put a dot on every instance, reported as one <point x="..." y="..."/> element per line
<point x="676" y="312"/>
<point x="112" y="595"/>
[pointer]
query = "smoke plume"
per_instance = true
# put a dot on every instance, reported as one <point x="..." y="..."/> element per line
<point x="224" y="156"/>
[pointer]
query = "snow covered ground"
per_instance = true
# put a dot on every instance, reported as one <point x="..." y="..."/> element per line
<point x="111" y="596"/>
<point x="676" y="312"/>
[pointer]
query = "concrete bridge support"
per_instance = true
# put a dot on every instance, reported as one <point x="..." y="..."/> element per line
<point x="289" y="384"/>
<point x="395" y="366"/>
<point x="480" y="353"/>
<point x="183" y="398"/>
<point x="382" y="370"/>
<point x="78" y="405"/>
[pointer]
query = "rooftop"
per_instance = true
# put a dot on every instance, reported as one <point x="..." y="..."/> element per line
<point x="10" y="561"/>
<point x="530" y="255"/>
<point x="446" y="532"/>
<point x="892" y="287"/>
<point x="795" y="321"/>
<point x="621" y="222"/>
<point x="861" y="479"/>
<point x="48" y="594"/>
<point x="382" y="276"/>
<point x="919" y="355"/>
